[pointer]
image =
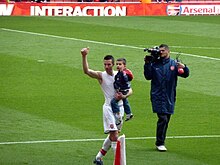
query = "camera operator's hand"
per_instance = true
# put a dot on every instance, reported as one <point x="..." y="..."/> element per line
<point x="180" y="65"/>
<point x="148" y="59"/>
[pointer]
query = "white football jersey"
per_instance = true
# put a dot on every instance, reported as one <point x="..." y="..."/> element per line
<point x="107" y="86"/>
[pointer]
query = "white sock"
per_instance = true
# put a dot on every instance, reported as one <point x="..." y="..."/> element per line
<point x="105" y="147"/>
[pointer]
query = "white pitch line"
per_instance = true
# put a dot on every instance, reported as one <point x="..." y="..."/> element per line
<point x="191" y="47"/>
<point x="193" y="55"/>
<point x="68" y="38"/>
<point x="103" y="43"/>
<point x="92" y="140"/>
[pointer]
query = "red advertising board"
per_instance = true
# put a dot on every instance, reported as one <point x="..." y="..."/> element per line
<point x="107" y="9"/>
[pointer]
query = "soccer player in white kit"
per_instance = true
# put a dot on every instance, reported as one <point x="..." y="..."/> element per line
<point x="106" y="80"/>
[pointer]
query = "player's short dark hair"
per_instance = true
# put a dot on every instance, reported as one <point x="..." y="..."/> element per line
<point x="123" y="60"/>
<point x="110" y="57"/>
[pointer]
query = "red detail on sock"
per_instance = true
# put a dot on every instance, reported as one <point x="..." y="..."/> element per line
<point x="103" y="152"/>
<point x="118" y="154"/>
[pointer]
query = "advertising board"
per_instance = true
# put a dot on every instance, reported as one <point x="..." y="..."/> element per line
<point x="107" y="9"/>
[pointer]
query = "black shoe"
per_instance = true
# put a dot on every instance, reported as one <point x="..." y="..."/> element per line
<point x="98" y="162"/>
<point x="129" y="117"/>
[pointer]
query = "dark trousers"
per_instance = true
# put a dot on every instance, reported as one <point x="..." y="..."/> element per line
<point x="162" y="125"/>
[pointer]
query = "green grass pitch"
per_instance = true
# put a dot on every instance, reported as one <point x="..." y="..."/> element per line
<point x="45" y="96"/>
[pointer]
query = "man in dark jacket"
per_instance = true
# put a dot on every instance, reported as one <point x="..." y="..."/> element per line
<point x="163" y="73"/>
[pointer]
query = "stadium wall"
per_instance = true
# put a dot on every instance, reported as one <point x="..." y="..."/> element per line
<point x="108" y="9"/>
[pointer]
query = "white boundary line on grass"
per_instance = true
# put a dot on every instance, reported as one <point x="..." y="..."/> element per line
<point x="103" y="43"/>
<point x="92" y="140"/>
<point x="192" y="47"/>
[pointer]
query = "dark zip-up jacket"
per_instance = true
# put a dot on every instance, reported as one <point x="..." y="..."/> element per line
<point x="163" y="75"/>
<point x="122" y="83"/>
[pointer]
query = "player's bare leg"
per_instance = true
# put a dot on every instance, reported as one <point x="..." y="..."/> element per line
<point x="109" y="142"/>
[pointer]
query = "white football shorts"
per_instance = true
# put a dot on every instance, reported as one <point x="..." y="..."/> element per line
<point x="109" y="122"/>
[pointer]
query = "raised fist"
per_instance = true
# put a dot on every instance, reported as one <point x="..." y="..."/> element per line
<point x="84" y="51"/>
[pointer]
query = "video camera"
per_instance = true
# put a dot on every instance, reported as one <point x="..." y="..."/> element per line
<point x="154" y="54"/>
